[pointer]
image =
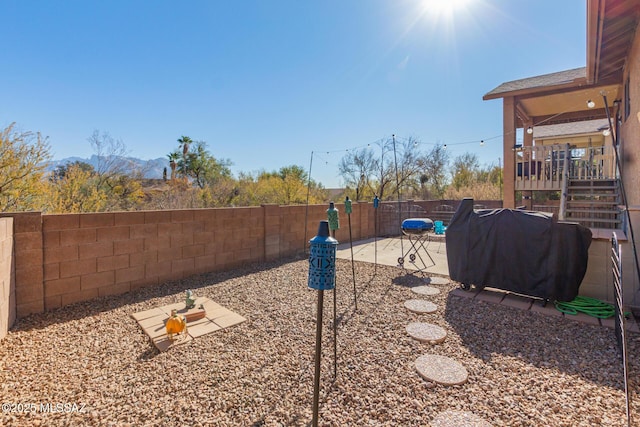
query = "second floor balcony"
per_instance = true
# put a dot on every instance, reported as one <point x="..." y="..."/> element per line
<point x="544" y="167"/>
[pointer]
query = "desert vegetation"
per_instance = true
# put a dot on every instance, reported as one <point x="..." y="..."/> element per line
<point x="195" y="178"/>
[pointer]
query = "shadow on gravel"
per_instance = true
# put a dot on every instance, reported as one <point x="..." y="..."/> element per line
<point x="490" y="330"/>
<point x="99" y="305"/>
<point x="409" y="280"/>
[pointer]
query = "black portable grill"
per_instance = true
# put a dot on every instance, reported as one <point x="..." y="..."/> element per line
<point x="417" y="230"/>
<point x="525" y="252"/>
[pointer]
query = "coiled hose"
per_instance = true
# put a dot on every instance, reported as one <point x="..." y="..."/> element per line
<point x="590" y="306"/>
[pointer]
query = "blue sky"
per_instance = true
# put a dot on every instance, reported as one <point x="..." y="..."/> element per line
<point x="266" y="83"/>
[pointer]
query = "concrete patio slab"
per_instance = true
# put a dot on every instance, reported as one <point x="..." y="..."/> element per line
<point x="386" y="251"/>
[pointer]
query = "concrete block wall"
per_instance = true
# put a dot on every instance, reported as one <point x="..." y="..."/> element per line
<point x="7" y="277"/>
<point x="98" y="254"/>
<point x="62" y="259"/>
<point x="389" y="223"/>
<point x="48" y="261"/>
<point x="67" y="258"/>
<point x="28" y="262"/>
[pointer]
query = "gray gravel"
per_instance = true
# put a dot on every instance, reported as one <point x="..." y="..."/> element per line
<point x="525" y="369"/>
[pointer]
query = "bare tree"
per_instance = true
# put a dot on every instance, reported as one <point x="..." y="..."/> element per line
<point x="397" y="167"/>
<point x="111" y="161"/>
<point x="357" y="168"/>
<point x="408" y="161"/>
<point x="434" y="172"/>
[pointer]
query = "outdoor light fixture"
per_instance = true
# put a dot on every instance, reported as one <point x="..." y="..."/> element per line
<point x="606" y="132"/>
<point x="529" y="130"/>
<point x="481" y="143"/>
<point x="591" y="104"/>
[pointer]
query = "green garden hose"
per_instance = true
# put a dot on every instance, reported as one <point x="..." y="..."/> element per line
<point x="590" y="306"/>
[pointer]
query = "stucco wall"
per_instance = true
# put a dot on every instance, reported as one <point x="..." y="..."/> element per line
<point x="630" y="133"/>
<point x="598" y="281"/>
<point x="7" y="277"/>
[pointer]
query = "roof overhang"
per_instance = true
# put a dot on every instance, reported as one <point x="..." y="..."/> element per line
<point x="565" y="105"/>
<point x="611" y="27"/>
<point x="562" y="97"/>
<point x="556" y="98"/>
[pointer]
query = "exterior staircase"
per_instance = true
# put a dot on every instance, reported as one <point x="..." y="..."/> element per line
<point x="594" y="203"/>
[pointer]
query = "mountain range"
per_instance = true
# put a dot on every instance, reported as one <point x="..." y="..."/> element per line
<point x="151" y="169"/>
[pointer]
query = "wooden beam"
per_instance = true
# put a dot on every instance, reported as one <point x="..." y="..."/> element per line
<point x="508" y="142"/>
<point x="594" y="35"/>
<point x="574" y="116"/>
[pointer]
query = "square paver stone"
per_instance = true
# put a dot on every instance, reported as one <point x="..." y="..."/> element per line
<point x="463" y="294"/>
<point x="217" y="312"/>
<point x="229" y="320"/>
<point x="202" y="329"/>
<point x="163" y="343"/>
<point x="490" y="296"/>
<point x="517" y="301"/>
<point x="155" y="331"/>
<point x="548" y="310"/>
<point x="216" y="318"/>
<point x="154" y="321"/>
<point x="178" y="306"/>
<point x="141" y="315"/>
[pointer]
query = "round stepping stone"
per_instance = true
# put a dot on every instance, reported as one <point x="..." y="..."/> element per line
<point x="420" y="306"/>
<point x="425" y="290"/>
<point x="441" y="369"/>
<point x="426" y="332"/>
<point x="458" y="419"/>
<point x="436" y="281"/>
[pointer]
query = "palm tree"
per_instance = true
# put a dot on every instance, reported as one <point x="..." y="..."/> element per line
<point x="185" y="141"/>
<point x="172" y="163"/>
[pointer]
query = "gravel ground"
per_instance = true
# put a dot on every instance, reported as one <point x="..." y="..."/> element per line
<point x="525" y="369"/>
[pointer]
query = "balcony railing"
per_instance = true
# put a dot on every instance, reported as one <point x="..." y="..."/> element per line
<point x="543" y="167"/>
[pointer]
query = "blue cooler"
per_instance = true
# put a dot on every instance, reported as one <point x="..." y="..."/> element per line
<point x="416" y="226"/>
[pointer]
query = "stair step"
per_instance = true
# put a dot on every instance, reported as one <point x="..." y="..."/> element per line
<point x="592" y="202"/>
<point x="594" y="181"/>
<point x="598" y="188"/>
<point x="595" y="211"/>
<point x="594" y="220"/>
<point x="591" y="196"/>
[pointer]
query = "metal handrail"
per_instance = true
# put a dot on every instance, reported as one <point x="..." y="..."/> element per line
<point x="543" y="167"/>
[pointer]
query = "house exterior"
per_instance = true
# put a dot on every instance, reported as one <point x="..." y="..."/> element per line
<point x="573" y="124"/>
